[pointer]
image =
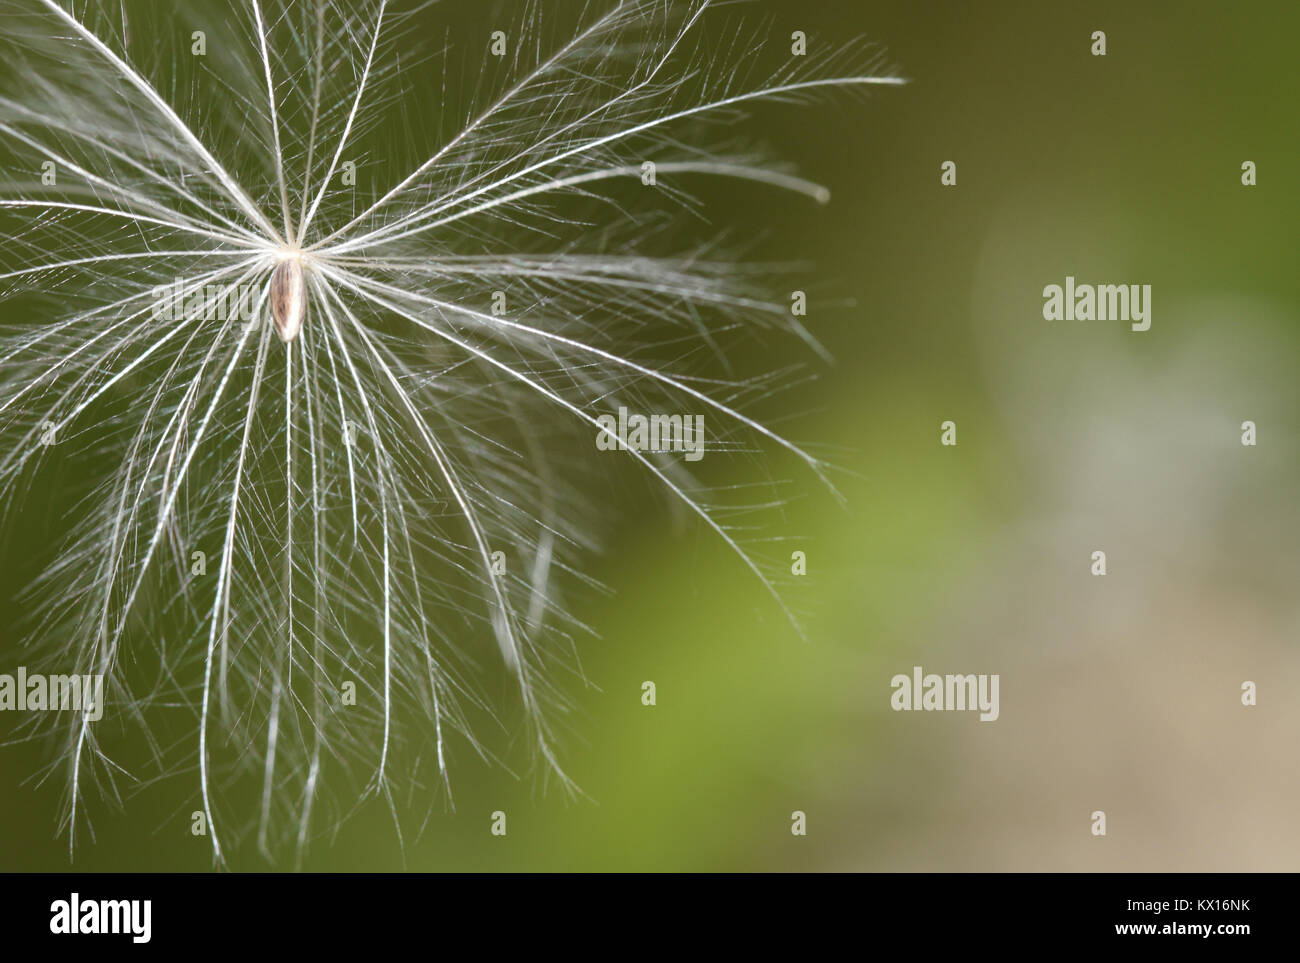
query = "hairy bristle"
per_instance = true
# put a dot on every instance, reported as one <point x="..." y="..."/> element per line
<point x="320" y="550"/>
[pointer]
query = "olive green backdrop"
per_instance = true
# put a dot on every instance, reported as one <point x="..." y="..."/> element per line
<point x="1120" y="693"/>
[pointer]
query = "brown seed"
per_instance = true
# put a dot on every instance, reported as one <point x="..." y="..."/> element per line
<point x="288" y="298"/>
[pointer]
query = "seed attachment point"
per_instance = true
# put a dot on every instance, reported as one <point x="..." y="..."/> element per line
<point x="288" y="298"/>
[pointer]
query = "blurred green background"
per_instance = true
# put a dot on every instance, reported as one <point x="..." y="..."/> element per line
<point x="1118" y="693"/>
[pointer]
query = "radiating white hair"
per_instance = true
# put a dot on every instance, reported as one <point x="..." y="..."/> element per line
<point x="409" y="476"/>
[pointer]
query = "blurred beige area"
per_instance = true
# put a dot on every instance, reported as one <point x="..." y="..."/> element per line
<point x="1123" y="692"/>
